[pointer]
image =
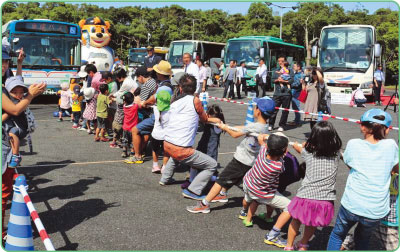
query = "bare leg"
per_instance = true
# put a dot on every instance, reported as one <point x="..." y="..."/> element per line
<point x="136" y="140"/>
<point x="308" y="233"/>
<point x="102" y="133"/>
<point x="14" y="144"/>
<point x="245" y="204"/>
<point x="213" y="192"/>
<point x="252" y="210"/>
<point x="283" y="218"/>
<point x="292" y="232"/>
<point x="155" y="157"/>
<point x="270" y="210"/>
<point x="97" y="132"/>
<point x="165" y="159"/>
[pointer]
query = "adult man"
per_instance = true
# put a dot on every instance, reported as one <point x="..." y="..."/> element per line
<point x="282" y="95"/>
<point x="229" y="79"/>
<point x="241" y="73"/>
<point x="192" y="69"/>
<point x="142" y="131"/>
<point x="379" y="80"/>
<point x="148" y="87"/>
<point x="151" y="59"/>
<point x="261" y="76"/>
<point x="296" y="89"/>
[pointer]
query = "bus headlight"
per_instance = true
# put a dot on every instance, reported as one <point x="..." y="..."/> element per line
<point x="366" y="85"/>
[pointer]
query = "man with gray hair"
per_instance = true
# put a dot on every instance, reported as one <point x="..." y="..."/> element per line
<point x="191" y="68"/>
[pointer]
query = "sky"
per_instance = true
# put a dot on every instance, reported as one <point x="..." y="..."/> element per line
<point x="242" y="7"/>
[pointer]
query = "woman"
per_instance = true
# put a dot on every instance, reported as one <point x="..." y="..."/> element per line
<point x="316" y="96"/>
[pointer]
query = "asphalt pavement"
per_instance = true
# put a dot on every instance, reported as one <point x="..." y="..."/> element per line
<point x="88" y="199"/>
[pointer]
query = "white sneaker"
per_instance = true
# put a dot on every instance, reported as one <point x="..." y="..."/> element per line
<point x="280" y="129"/>
<point x="269" y="128"/>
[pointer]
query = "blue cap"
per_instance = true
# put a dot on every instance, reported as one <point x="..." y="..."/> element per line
<point x="370" y="114"/>
<point x="5" y="55"/>
<point x="266" y="105"/>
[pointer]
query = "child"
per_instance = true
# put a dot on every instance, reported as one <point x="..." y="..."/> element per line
<point x="161" y="115"/>
<point x="357" y="98"/>
<point x="90" y="110"/>
<point x="16" y="126"/>
<point x="209" y="141"/>
<point x="180" y="134"/>
<point x="243" y="159"/>
<point x="65" y="101"/>
<point x="117" y="127"/>
<point x="76" y="105"/>
<point x="260" y="186"/>
<point x="130" y="120"/>
<point x="284" y="72"/>
<point x="313" y="204"/>
<point x="101" y="112"/>
<point x="366" y="198"/>
<point x="107" y="77"/>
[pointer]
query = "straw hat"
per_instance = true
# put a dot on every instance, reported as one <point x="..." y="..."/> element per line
<point x="163" y="68"/>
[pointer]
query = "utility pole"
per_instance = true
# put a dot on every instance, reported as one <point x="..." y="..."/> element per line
<point x="193" y="27"/>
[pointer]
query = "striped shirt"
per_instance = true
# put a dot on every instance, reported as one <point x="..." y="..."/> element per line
<point x="263" y="178"/>
<point x="148" y="89"/>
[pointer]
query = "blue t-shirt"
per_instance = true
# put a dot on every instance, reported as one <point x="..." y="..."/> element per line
<point x="367" y="188"/>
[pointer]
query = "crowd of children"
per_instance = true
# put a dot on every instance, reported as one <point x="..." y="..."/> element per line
<point x="371" y="192"/>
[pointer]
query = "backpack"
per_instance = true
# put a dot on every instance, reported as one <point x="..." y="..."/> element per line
<point x="292" y="172"/>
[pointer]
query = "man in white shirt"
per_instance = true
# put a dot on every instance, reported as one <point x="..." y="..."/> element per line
<point x="261" y="76"/>
<point x="241" y="73"/>
<point x="202" y="74"/>
<point x="192" y="69"/>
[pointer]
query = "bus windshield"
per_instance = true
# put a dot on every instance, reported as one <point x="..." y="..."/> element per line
<point x="137" y="57"/>
<point x="346" y="48"/>
<point x="177" y="50"/>
<point x="48" y="51"/>
<point x="247" y="51"/>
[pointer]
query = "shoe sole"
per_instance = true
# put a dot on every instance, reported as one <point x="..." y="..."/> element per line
<point x="273" y="243"/>
<point x="190" y="197"/>
<point x="221" y="201"/>
<point x="242" y="217"/>
<point x="200" y="211"/>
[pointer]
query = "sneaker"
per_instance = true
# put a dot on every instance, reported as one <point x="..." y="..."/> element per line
<point x="91" y="127"/>
<point x="198" y="208"/>
<point x="156" y="169"/>
<point x="169" y="182"/>
<point x="293" y="123"/>
<point x="124" y="155"/>
<point x="263" y="216"/>
<point x="220" y="198"/>
<point x="113" y="145"/>
<point x="242" y="214"/>
<point x="185" y="184"/>
<point x="82" y="128"/>
<point x="88" y="131"/>
<point x="74" y="126"/>
<point x="280" y="129"/>
<point x="103" y="139"/>
<point x="15" y="160"/>
<point x="188" y="194"/>
<point x="134" y="160"/>
<point x="363" y="105"/>
<point x="276" y="241"/>
<point x="97" y="139"/>
<point x="247" y="223"/>
<point x="269" y="128"/>
<point x="59" y="120"/>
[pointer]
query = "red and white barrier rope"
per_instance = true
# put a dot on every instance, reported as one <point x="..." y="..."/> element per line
<point x="35" y="217"/>
<point x="300" y="111"/>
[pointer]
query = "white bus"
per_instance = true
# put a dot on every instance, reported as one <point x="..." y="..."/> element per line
<point x="198" y="49"/>
<point x="348" y="55"/>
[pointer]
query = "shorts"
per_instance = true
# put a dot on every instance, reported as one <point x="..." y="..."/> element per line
<point x="157" y="145"/>
<point x="278" y="201"/>
<point x="20" y="133"/>
<point x="67" y="111"/>
<point x="145" y="127"/>
<point x="101" y="123"/>
<point x="126" y="138"/>
<point x="232" y="174"/>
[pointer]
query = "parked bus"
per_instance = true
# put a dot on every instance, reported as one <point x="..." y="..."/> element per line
<point x="198" y="49"/>
<point x="161" y="51"/>
<point x="52" y="48"/>
<point x="348" y="55"/>
<point x="251" y="48"/>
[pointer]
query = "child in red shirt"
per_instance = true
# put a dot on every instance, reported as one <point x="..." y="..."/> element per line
<point x="130" y="120"/>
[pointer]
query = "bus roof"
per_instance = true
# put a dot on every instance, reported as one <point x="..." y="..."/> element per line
<point x="159" y="49"/>
<point x="11" y="25"/>
<point x="208" y="42"/>
<point x="268" y="39"/>
<point x="348" y="26"/>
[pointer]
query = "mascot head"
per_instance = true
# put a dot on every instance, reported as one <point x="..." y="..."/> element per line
<point x="95" y="30"/>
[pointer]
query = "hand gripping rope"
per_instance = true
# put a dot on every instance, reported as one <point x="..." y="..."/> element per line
<point x="301" y="112"/>
<point x="35" y="217"/>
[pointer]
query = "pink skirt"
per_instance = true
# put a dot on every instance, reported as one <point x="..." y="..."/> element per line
<point x="316" y="213"/>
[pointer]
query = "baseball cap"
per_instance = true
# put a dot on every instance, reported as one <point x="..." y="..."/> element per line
<point x="141" y="71"/>
<point x="15" y="81"/>
<point x="175" y="79"/>
<point x="370" y="114"/>
<point x="163" y="100"/>
<point x="5" y="52"/>
<point x="77" y="89"/>
<point x="266" y="105"/>
<point x="277" y="142"/>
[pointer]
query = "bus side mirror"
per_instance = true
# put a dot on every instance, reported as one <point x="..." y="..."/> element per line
<point x="314" y="51"/>
<point x="262" y="52"/>
<point x="222" y="53"/>
<point x="378" y="50"/>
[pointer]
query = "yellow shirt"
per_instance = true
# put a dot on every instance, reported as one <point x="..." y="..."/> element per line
<point x="76" y="103"/>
